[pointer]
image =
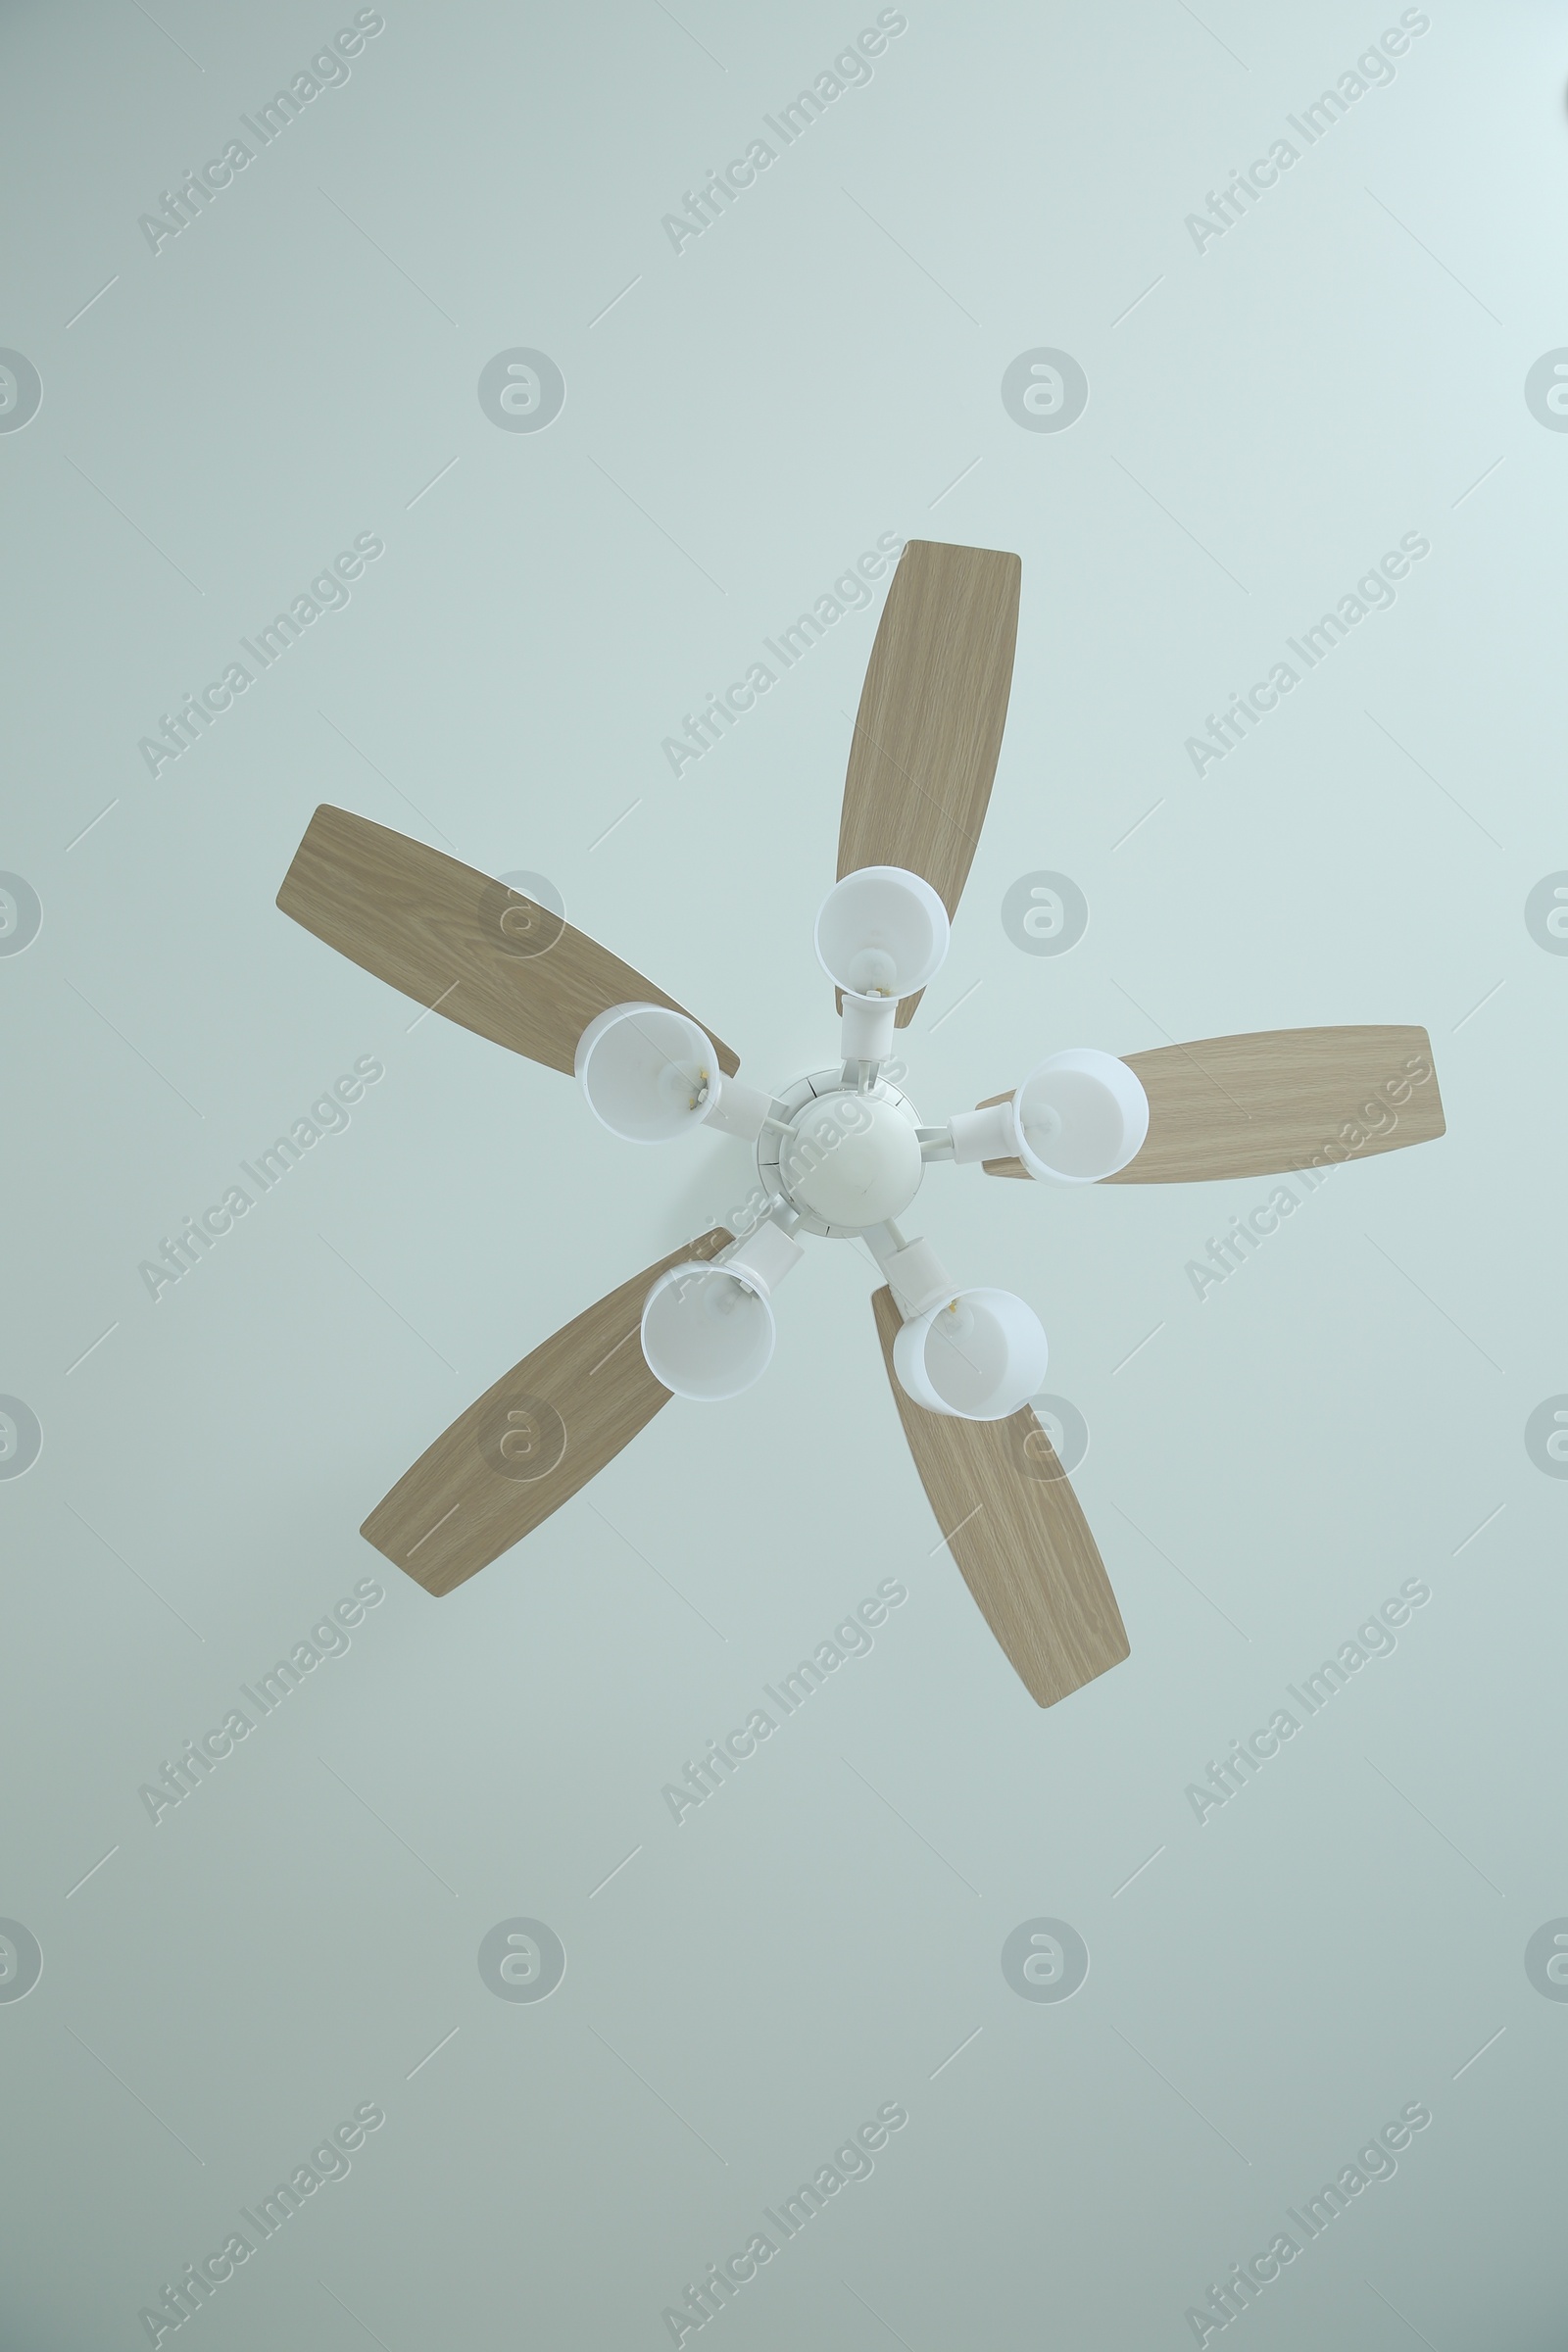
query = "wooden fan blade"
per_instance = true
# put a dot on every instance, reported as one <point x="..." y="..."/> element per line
<point x="1018" y="1534"/>
<point x="1277" y="1099"/>
<point x="928" y="730"/>
<point x="530" y="1442"/>
<point x="454" y="940"/>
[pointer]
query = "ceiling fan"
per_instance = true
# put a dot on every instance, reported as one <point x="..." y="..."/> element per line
<point x="841" y="1152"/>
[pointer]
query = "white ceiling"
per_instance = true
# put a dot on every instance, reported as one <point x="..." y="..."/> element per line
<point x="224" y="1987"/>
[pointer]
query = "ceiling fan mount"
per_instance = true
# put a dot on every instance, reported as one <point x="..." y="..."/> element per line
<point x="844" y="1155"/>
<point x="841" y="1153"/>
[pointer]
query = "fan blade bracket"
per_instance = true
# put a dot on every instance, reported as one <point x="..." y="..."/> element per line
<point x="929" y="726"/>
<point x="531" y="1441"/>
<point x="1002" y="1167"/>
<point x="1269" y="1101"/>
<point x="459" y="942"/>
<point x="1273" y="1100"/>
<point x="1012" y="1523"/>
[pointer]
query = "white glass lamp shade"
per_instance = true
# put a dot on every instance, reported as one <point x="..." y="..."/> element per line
<point x="979" y="1355"/>
<point x="1079" y="1117"/>
<point x="706" y="1334"/>
<point x="648" y="1073"/>
<point x="881" y="933"/>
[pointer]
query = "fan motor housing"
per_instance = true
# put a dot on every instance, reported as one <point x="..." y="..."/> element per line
<point x="852" y="1159"/>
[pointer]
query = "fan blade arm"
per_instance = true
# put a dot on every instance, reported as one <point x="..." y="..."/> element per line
<point x="1017" y="1532"/>
<point x="1273" y="1100"/>
<point x="932" y="710"/>
<point x="459" y="943"/>
<point x="531" y="1441"/>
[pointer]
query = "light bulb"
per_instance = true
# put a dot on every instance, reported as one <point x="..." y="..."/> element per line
<point x="722" y="1294"/>
<point x="872" y="973"/>
<point x="1080" y="1116"/>
<point x="977" y="1358"/>
<point x="706" y="1334"/>
<point x="685" y="1083"/>
<point x="648" y="1071"/>
<point x="881" y="932"/>
<point x="1043" y="1126"/>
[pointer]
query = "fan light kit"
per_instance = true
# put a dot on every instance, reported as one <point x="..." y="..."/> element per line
<point x="841" y="1153"/>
